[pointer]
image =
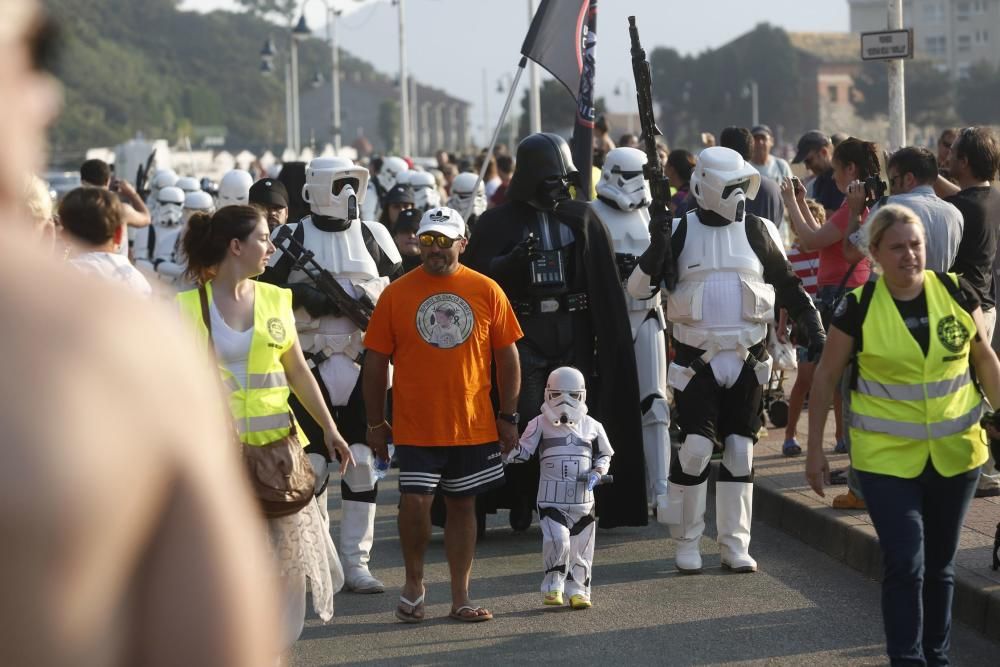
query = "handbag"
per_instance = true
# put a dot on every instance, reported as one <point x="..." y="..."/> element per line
<point x="280" y="472"/>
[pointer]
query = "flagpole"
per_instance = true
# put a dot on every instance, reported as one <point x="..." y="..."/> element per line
<point x="503" y="116"/>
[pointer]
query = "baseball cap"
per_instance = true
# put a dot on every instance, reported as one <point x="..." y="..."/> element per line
<point x="269" y="191"/>
<point x="761" y="129"/>
<point x="399" y="194"/>
<point x="810" y="141"/>
<point x="408" y="220"/>
<point x="443" y="220"/>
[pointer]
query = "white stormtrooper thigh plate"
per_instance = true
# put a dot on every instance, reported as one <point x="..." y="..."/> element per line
<point x="651" y="359"/>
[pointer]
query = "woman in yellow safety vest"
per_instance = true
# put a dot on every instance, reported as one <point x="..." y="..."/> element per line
<point x="255" y="342"/>
<point x="916" y="442"/>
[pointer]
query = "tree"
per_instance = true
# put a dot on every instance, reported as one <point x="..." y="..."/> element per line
<point x="929" y="92"/>
<point x="558" y="109"/>
<point x="978" y="94"/>
<point x="388" y="124"/>
<point x="284" y="9"/>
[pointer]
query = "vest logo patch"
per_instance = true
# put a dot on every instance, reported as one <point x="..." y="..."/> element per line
<point x="276" y="329"/>
<point x="952" y="334"/>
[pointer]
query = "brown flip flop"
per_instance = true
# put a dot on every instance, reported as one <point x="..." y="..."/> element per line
<point x="469" y="614"/>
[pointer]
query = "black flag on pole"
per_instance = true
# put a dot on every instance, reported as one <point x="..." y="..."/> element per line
<point x="561" y="39"/>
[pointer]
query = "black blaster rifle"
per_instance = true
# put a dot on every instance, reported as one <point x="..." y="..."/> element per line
<point x="659" y="187"/>
<point x="358" y="311"/>
<point x="142" y="176"/>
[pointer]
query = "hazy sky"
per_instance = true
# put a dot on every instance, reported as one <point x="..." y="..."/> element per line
<point x="455" y="44"/>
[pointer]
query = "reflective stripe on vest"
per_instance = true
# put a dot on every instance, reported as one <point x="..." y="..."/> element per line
<point x="908" y="406"/>
<point x="258" y="402"/>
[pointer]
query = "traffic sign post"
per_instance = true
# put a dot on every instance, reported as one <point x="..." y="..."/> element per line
<point x="887" y="44"/>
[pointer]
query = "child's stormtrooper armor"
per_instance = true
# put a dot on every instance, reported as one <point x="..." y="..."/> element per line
<point x="570" y="444"/>
<point x="622" y="200"/>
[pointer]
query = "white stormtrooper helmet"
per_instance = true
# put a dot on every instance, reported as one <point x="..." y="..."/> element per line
<point x="169" y="206"/>
<point x="392" y="167"/>
<point x="565" y="397"/>
<point x="234" y="188"/>
<point x="335" y="187"/>
<point x="164" y="178"/>
<point x="188" y="184"/>
<point x="463" y="199"/>
<point x="622" y="180"/>
<point x="198" y="202"/>
<point x="425" y="192"/>
<point x="722" y="182"/>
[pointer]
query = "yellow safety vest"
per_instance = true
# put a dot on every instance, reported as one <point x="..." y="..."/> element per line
<point x="906" y="406"/>
<point x="259" y="401"/>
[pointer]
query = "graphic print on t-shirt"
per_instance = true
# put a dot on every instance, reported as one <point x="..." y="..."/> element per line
<point x="444" y="320"/>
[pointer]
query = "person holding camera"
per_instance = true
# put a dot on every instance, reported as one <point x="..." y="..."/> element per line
<point x="853" y="160"/>
<point x="915" y="338"/>
<point x="911" y="173"/>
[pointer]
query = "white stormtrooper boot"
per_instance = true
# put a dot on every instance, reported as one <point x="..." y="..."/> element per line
<point x="357" y="532"/>
<point x="733" y="512"/>
<point x="685" y="515"/>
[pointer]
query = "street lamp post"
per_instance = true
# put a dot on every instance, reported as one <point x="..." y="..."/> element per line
<point x="331" y="28"/>
<point x="267" y="56"/>
<point x="750" y="90"/>
<point x="503" y="85"/>
<point x="299" y="33"/>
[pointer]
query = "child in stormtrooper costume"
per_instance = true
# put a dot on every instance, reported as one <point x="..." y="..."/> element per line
<point x="623" y="198"/>
<point x="570" y="445"/>
<point x="724" y="269"/>
<point x="362" y="257"/>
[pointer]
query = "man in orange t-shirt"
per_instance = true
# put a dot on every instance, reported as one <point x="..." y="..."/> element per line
<point x="441" y="325"/>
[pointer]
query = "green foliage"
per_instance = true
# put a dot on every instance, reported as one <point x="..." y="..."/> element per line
<point x="929" y="92"/>
<point x="263" y="8"/>
<point x="144" y="67"/>
<point x="978" y="94"/>
<point x="709" y="91"/>
<point x="388" y="124"/>
<point x="558" y="109"/>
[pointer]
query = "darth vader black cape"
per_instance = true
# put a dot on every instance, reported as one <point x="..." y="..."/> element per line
<point x="615" y="403"/>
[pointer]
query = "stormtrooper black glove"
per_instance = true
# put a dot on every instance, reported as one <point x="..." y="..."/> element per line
<point x="313" y="300"/>
<point x="658" y="260"/>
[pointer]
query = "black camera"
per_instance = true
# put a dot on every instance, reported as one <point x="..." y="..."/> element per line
<point x="875" y="188"/>
<point x="990" y="419"/>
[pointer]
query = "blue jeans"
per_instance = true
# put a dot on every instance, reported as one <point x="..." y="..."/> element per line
<point x="918" y="522"/>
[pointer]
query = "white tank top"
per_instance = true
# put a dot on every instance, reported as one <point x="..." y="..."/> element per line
<point x="231" y="347"/>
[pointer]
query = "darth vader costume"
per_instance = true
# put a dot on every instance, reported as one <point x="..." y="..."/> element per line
<point x="555" y="261"/>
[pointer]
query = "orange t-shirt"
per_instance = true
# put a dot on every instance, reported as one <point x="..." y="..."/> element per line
<point x="441" y="332"/>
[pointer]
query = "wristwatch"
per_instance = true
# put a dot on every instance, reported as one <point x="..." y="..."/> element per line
<point x="512" y="418"/>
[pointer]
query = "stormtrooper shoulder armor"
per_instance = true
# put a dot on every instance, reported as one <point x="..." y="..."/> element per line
<point x="384" y="240"/>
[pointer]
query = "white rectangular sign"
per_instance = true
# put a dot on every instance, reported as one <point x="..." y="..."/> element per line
<point x="887" y="44"/>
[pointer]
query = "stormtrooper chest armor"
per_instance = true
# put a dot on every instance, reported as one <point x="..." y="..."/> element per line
<point x="563" y="455"/>
<point x="345" y="255"/>
<point x="630" y="234"/>
<point x="720" y="295"/>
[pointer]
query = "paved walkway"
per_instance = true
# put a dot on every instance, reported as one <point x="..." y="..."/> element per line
<point x="783" y="499"/>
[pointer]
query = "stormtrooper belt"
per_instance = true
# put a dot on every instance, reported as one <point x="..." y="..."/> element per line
<point x="349" y="345"/>
<point x="702" y="362"/>
<point x="569" y="303"/>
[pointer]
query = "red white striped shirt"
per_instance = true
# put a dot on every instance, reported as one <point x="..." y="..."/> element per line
<point x="806" y="266"/>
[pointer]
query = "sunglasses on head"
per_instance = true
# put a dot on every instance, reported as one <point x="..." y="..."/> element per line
<point x="427" y="240"/>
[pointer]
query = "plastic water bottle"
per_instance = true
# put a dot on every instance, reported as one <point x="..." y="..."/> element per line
<point x="381" y="466"/>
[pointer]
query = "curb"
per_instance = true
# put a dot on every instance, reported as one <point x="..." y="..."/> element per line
<point x="840" y="535"/>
